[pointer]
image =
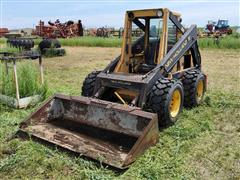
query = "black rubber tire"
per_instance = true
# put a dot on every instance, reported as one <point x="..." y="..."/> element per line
<point x="53" y="52"/>
<point x="60" y="51"/>
<point x="89" y="83"/>
<point x="33" y="54"/>
<point x="21" y="43"/>
<point x="160" y="98"/>
<point x="25" y="44"/>
<point x="48" y="43"/>
<point x="190" y="81"/>
<point x="15" y="43"/>
<point x="56" y="43"/>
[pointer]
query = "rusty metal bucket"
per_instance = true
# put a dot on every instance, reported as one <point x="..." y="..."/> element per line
<point x="108" y="132"/>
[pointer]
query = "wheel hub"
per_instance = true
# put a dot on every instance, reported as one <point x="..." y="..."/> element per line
<point x="200" y="90"/>
<point x="175" y="103"/>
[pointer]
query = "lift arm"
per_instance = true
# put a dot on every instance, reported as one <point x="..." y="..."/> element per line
<point x="186" y="42"/>
<point x="176" y="22"/>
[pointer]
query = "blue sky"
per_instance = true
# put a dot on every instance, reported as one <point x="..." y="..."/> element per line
<point x="96" y="13"/>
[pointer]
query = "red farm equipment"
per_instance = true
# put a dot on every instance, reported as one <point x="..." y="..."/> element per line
<point x="59" y="30"/>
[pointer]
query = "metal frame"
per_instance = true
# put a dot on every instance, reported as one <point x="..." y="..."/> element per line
<point x="111" y="76"/>
<point x="12" y="58"/>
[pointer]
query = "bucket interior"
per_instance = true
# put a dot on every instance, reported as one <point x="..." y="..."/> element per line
<point x="118" y="141"/>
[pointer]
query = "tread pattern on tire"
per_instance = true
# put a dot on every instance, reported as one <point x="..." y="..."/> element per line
<point x="158" y="99"/>
<point x="25" y="44"/>
<point x="189" y="86"/>
<point x="89" y="83"/>
<point x="48" y="43"/>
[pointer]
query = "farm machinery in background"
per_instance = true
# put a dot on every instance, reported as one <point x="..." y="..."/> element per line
<point x="18" y="33"/>
<point x="59" y="30"/>
<point x="216" y="29"/>
<point x="3" y="31"/>
<point x="107" y="32"/>
<point x="104" y="32"/>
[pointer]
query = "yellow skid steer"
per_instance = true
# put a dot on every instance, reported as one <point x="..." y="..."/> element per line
<point x="121" y="108"/>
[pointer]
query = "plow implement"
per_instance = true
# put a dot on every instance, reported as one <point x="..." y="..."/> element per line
<point x="108" y="132"/>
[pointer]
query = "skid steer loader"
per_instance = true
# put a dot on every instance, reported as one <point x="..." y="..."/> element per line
<point x="121" y="108"/>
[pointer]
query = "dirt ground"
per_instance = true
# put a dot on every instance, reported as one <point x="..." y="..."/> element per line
<point x="74" y="67"/>
<point x="222" y="67"/>
<point x="203" y="144"/>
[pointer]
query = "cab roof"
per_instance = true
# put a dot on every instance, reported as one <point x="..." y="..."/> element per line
<point x="151" y="12"/>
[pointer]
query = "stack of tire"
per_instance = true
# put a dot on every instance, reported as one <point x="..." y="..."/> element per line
<point x="21" y="43"/>
<point x="33" y="54"/>
<point x="51" y="48"/>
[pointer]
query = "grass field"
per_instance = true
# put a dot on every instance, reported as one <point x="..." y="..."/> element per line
<point x="203" y="144"/>
<point x="3" y="40"/>
<point x="228" y="42"/>
<point x="88" y="41"/>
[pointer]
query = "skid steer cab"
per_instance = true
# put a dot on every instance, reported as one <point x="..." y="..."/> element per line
<point x="157" y="73"/>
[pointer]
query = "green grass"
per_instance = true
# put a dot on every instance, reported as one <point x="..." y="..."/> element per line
<point x="190" y="141"/>
<point x="228" y="42"/>
<point x="92" y="42"/>
<point x="3" y="40"/>
<point x="10" y="49"/>
<point x="203" y="144"/>
<point x="54" y="52"/>
<point x="88" y="41"/>
<point x="28" y="78"/>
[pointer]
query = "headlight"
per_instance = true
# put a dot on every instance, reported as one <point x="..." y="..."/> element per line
<point x="159" y="13"/>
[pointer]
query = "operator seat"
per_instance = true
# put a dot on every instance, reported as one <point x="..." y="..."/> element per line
<point x="150" y="54"/>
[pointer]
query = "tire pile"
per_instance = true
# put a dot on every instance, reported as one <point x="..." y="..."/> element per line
<point x="51" y="48"/>
<point x="21" y="43"/>
<point x="25" y="45"/>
